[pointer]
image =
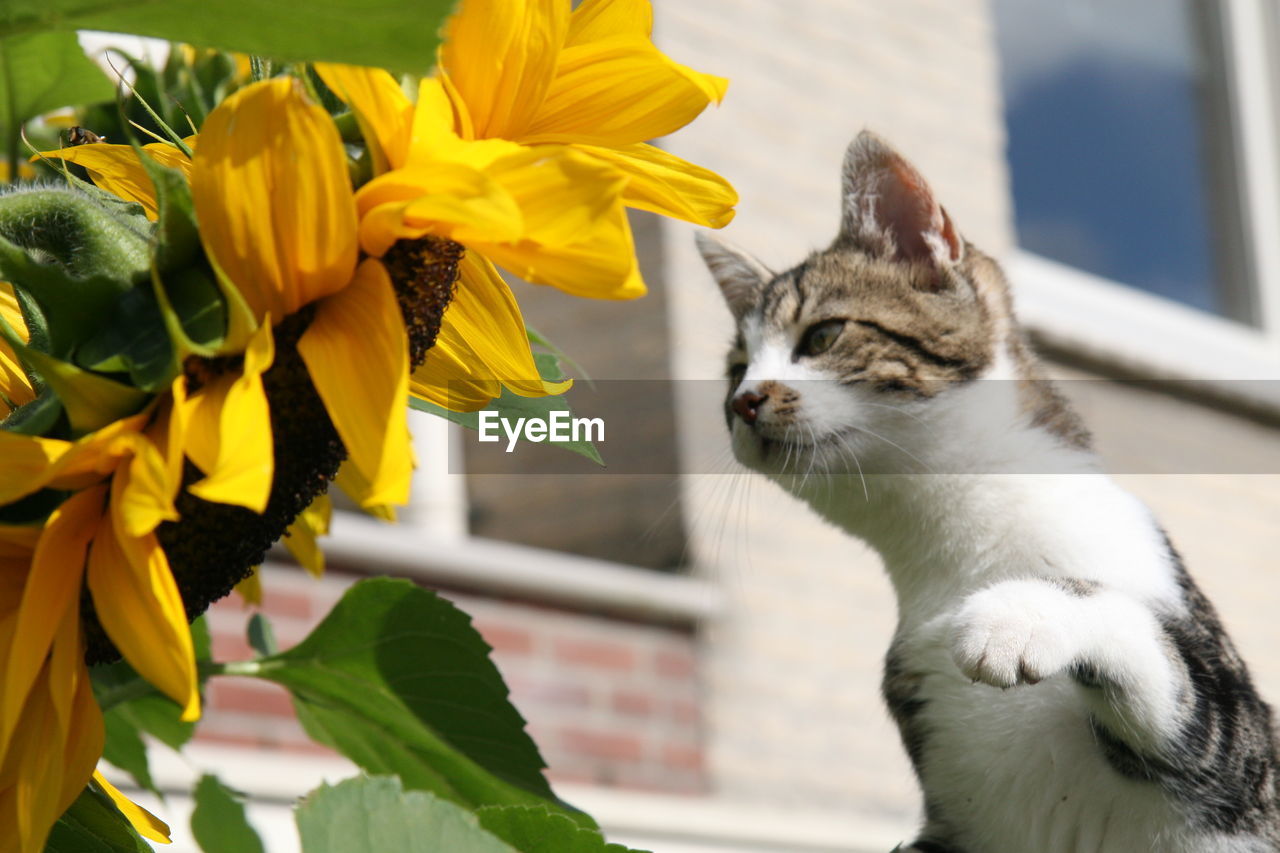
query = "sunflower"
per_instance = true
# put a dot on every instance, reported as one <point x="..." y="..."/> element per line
<point x="553" y="108"/>
<point x="45" y="769"/>
<point x="45" y="693"/>
<point x="340" y="302"/>
<point x="543" y="212"/>
<point x="534" y="72"/>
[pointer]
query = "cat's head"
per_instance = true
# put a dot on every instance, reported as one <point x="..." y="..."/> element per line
<point x="847" y="354"/>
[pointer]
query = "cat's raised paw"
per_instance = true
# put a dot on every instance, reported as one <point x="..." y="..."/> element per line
<point x="1016" y="632"/>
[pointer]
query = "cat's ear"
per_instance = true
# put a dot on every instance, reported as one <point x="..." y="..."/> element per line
<point x="889" y="210"/>
<point x="740" y="276"/>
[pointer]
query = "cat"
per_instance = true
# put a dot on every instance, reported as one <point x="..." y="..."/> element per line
<point x="1059" y="682"/>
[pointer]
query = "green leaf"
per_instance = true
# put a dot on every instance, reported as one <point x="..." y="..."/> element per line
<point x="512" y="407"/>
<point x="377" y="815"/>
<point x="538" y="339"/>
<point x="533" y="829"/>
<point x="124" y="748"/>
<point x="219" y="823"/>
<point x="398" y="680"/>
<point x="93" y="824"/>
<point x="391" y="34"/>
<point x="39" y="72"/>
<point x="262" y="638"/>
<point x="144" y="709"/>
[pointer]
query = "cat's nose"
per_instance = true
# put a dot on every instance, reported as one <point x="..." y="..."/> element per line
<point x="747" y="406"/>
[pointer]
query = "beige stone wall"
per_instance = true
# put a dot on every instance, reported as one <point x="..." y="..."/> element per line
<point x="793" y="670"/>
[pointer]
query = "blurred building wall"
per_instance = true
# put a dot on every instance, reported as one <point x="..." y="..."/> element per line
<point x="793" y="668"/>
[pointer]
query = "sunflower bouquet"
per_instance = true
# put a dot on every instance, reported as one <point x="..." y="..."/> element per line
<point x="201" y="331"/>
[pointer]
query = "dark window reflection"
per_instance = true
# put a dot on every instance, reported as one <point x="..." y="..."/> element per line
<point x="1118" y="144"/>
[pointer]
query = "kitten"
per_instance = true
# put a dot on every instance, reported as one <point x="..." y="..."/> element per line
<point x="862" y="381"/>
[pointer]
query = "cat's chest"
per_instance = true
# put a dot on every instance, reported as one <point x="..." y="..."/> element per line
<point x="1017" y="769"/>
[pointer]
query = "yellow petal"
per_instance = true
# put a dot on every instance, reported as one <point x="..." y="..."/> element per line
<point x="116" y="168"/>
<point x="434" y="134"/>
<point x="147" y="824"/>
<point x="593" y="20"/>
<point x="27" y="461"/>
<point x="97" y="454"/>
<point x="357" y="353"/>
<point x="454" y="376"/>
<point x="599" y="264"/>
<point x="81" y="731"/>
<point x="273" y="197"/>
<point x="138" y="604"/>
<point x="169" y="430"/>
<point x="91" y="400"/>
<point x="445" y="199"/>
<point x="18" y="541"/>
<point x="500" y="56"/>
<point x="619" y="91"/>
<point x="53" y="587"/>
<point x="229" y="436"/>
<point x="37" y="757"/>
<point x="250" y="589"/>
<point x="356" y="487"/>
<point x="486" y="314"/>
<point x="310" y="525"/>
<point x="84" y="739"/>
<point x="148" y="498"/>
<point x="32" y="462"/>
<point x="67" y="670"/>
<point x="383" y="112"/>
<point x="575" y="236"/>
<point x="15" y="387"/>
<point x="664" y="183"/>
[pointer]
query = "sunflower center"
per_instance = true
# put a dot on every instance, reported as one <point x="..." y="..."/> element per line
<point x="425" y="275"/>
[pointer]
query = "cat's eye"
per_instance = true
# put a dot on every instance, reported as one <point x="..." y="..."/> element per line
<point x="736" y="372"/>
<point x="819" y="337"/>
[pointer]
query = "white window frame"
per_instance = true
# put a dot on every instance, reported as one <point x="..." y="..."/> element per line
<point x="1154" y="337"/>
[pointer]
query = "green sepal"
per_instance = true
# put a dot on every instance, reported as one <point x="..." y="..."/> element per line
<point x="177" y="236"/>
<point x="38" y="417"/>
<point x="191" y="303"/>
<point x="133" y="340"/>
<point x="72" y="255"/>
<point x="152" y="330"/>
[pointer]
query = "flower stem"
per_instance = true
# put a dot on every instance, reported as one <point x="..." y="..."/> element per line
<point x="138" y="687"/>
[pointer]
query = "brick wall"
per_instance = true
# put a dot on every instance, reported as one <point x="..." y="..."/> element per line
<point x="609" y="702"/>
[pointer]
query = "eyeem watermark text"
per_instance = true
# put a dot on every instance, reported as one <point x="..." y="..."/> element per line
<point x="561" y="426"/>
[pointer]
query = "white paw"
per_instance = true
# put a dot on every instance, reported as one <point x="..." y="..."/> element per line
<point x="1016" y="632"/>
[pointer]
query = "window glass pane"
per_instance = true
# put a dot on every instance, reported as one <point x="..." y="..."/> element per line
<point x="1118" y="145"/>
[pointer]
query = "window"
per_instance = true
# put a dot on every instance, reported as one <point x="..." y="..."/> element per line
<point x="1141" y="146"/>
